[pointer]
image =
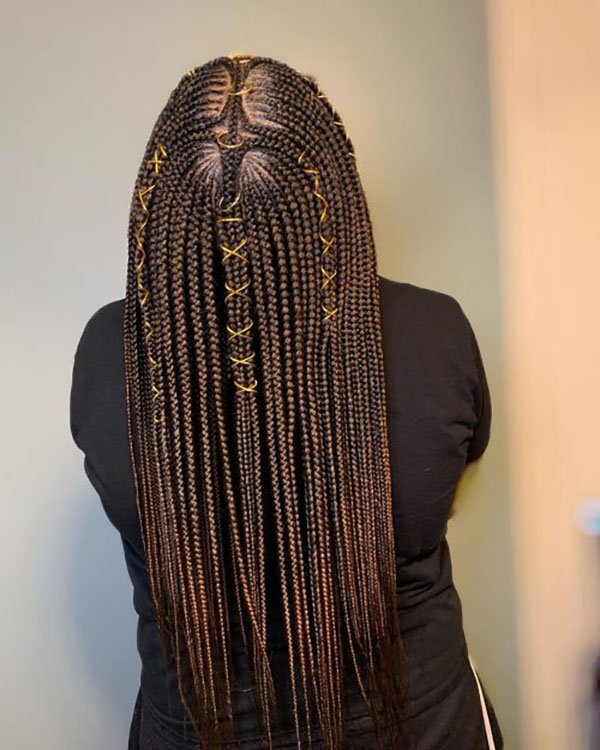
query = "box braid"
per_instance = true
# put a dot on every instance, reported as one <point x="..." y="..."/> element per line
<point x="256" y="407"/>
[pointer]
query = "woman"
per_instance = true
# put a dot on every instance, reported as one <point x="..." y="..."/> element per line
<point x="277" y="433"/>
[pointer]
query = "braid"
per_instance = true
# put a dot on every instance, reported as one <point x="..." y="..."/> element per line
<point x="256" y="407"/>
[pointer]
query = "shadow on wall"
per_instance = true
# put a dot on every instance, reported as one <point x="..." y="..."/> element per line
<point x="104" y="621"/>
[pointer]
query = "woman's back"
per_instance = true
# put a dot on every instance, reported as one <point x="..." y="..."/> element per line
<point x="439" y="414"/>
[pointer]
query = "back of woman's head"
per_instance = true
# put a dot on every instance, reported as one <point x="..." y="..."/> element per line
<point x="256" y="400"/>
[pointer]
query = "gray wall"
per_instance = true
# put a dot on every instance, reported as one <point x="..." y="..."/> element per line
<point x="83" y="83"/>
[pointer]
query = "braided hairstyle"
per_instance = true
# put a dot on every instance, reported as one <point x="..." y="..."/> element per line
<point x="256" y="407"/>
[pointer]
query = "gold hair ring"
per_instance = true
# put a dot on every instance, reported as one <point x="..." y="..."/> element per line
<point x="156" y="160"/>
<point x="241" y="387"/>
<point x="328" y="312"/>
<point x="150" y="331"/>
<point x="231" y="205"/>
<point x="142" y="194"/>
<point x="231" y="291"/>
<point x="245" y="90"/>
<point x="245" y="361"/>
<point x="241" y="332"/>
<point x="234" y="250"/>
<point x="223" y="144"/>
<point x="229" y="218"/>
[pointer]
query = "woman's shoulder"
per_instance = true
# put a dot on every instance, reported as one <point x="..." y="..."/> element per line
<point x="101" y="328"/>
<point x="106" y="314"/>
<point x="99" y="346"/>
<point x="406" y="290"/>
<point x="414" y="305"/>
<point x="432" y="328"/>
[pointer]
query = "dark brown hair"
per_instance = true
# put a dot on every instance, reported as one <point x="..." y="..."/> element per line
<point x="256" y="401"/>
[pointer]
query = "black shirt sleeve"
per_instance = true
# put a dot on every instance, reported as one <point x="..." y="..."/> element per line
<point x="483" y="404"/>
<point x="78" y="383"/>
<point x="91" y="372"/>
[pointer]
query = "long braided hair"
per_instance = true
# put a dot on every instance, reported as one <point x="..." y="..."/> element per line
<point x="256" y="406"/>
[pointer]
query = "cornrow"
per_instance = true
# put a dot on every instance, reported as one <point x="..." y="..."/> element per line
<point x="256" y="409"/>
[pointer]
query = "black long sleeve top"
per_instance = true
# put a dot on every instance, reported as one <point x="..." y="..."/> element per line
<point x="439" y="417"/>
